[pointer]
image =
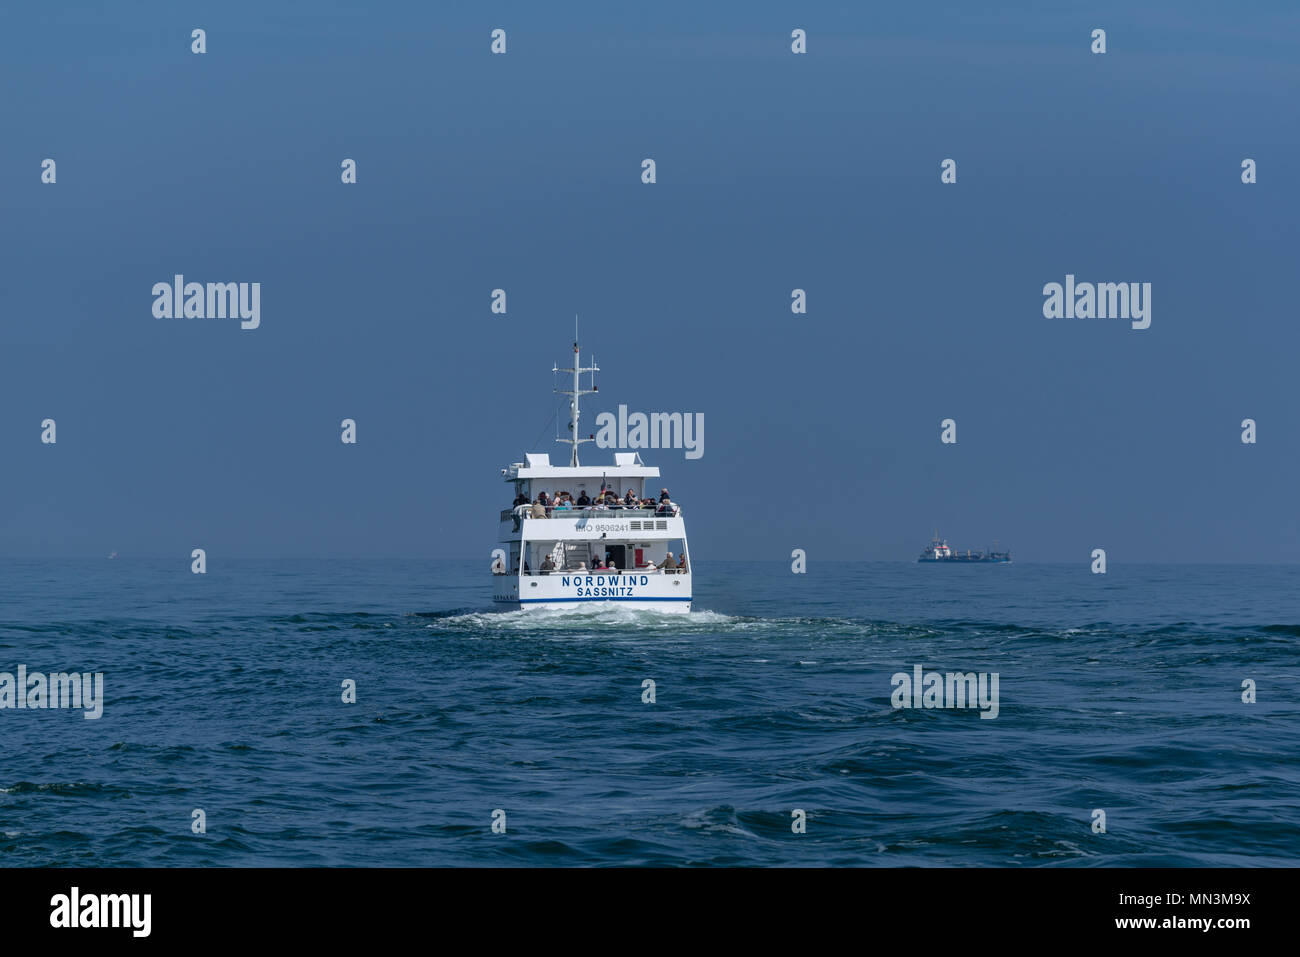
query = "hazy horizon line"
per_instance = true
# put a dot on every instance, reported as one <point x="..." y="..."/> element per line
<point x="185" y="559"/>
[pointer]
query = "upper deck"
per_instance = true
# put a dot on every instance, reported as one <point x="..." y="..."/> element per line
<point x="586" y="483"/>
<point x="538" y="472"/>
<point x="578" y="523"/>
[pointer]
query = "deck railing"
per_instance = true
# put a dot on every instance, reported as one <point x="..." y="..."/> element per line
<point x="600" y="571"/>
<point x="592" y="512"/>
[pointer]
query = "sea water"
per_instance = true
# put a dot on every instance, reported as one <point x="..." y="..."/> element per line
<point x="612" y="737"/>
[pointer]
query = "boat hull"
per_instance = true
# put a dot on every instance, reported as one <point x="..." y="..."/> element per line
<point x="671" y="606"/>
<point x="963" y="561"/>
<point x="560" y="590"/>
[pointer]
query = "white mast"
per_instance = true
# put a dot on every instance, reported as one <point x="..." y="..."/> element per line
<point x="577" y="369"/>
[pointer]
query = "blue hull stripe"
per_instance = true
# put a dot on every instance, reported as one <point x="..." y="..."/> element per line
<point x="533" y="601"/>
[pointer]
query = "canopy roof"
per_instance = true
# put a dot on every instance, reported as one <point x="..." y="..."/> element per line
<point x="626" y="465"/>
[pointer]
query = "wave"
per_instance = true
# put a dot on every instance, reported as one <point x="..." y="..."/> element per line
<point x="607" y="617"/>
<point x="66" y="789"/>
<point x="1292" y="631"/>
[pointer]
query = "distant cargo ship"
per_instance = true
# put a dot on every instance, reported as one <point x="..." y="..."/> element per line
<point x="939" y="551"/>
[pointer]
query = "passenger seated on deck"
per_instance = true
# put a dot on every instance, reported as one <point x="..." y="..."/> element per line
<point x="666" y="507"/>
<point x="669" y="566"/>
<point x="647" y="503"/>
<point x="598" y="564"/>
<point x="548" y="563"/>
<point x="583" y="500"/>
<point x="520" y="499"/>
<point x="562" y="505"/>
<point x="650" y="568"/>
<point x="537" y="509"/>
<point x="542" y="497"/>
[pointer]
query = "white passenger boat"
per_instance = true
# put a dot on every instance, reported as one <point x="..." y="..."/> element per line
<point x="602" y="534"/>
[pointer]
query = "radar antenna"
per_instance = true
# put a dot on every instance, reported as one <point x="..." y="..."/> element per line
<point x="573" y="440"/>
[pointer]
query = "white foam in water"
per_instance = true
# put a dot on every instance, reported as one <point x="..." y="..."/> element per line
<point x="603" y="617"/>
<point x="614" y="620"/>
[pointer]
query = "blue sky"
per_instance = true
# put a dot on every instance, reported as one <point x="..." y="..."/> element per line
<point x="775" y="171"/>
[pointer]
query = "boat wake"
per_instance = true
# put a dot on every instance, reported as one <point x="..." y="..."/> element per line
<point x="608" y="621"/>
<point x="601" y="617"/>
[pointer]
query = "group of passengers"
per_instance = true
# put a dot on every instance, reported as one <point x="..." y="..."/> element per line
<point x="669" y="566"/>
<point x="545" y="506"/>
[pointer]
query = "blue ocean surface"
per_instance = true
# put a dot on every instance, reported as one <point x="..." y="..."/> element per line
<point x="223" y="692"/>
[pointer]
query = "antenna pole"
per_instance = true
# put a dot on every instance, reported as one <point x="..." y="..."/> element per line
<point x="573" y="402"/>
<point x="574" y="441"/>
